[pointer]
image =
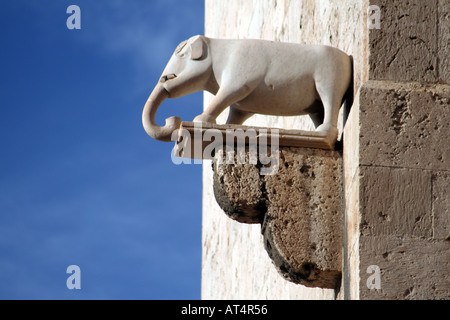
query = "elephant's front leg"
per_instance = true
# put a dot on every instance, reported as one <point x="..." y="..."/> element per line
<point x="223" y="99"/>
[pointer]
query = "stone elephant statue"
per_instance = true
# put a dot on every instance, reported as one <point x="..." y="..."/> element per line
<point x="254" y="76"/>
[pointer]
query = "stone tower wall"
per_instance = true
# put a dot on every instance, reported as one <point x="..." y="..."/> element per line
<point x="396" y="159"/>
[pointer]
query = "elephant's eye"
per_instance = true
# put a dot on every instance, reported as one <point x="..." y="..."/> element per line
<point x="179" y="49"/>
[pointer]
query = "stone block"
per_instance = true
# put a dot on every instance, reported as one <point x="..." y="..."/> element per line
<point x="404" y="125"/>
<point x="239" y="191"/>
<point x="443" y="40"/>
<point x="395" y="201"/>
<point x="409" y="268"/>
<point x="441" y="205"/>
<point x="405" y="46"/>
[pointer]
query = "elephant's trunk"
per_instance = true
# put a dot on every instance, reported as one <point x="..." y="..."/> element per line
<point x="148" y="116"/>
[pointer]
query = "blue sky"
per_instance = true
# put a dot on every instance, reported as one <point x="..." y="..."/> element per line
<point x="80" y="181"/>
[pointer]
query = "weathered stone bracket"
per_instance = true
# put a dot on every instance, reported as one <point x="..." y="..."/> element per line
<point x="300" y="209"/>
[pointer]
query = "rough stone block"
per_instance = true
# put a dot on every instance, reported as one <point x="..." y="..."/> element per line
<point x="395" y="201"/>
<point x="404" y="125"/>
<point x="239" y="191"/>
<point x="409" y="268"/>
<point x="300" y="208"/>
<point x="405" y="46"/>
<point x="441" y="205"/>
<point x="443" y="40"/>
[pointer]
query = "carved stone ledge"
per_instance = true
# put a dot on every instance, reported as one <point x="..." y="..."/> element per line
<point x="300" y="209"/>
<point x="191" y="135"/>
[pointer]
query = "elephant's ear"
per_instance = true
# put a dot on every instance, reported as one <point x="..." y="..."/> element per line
<point x="197" y="48"/>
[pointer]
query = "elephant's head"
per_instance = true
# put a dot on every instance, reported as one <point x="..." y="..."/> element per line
<point x="187" y="72"/>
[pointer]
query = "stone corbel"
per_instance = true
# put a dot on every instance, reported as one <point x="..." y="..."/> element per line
<point x="299" y="206"/>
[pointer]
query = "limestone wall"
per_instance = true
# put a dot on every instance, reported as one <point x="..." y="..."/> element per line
<point x="396" y="159"/>
<point x="235" y="264"/>
<point x="403" y="212"/>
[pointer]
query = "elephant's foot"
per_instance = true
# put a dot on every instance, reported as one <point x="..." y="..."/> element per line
<point x="205" y="118"/>
<point x="330" y="130"/>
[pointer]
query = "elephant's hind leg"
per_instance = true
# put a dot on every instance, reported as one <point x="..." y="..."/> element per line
<point x="317" y="118"/>
<point x="237" y="116"/>
<point x="331" y="101"/>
